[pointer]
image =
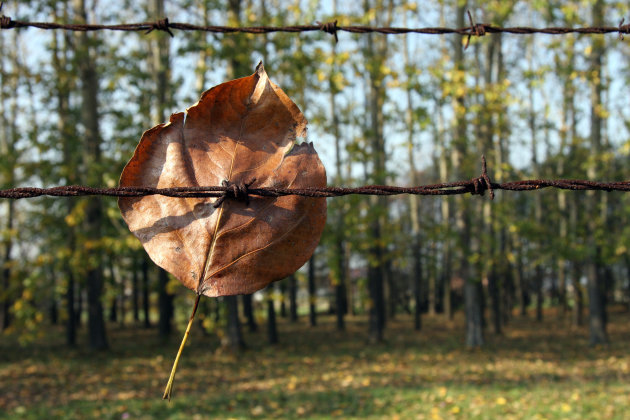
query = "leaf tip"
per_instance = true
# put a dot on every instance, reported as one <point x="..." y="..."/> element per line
<point x="260" y="68"/>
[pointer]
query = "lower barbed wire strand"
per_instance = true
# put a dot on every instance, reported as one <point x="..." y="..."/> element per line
<point x="474" y="186"/>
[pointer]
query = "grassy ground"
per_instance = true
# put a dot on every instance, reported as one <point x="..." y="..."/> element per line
<point x="533" y="371"/>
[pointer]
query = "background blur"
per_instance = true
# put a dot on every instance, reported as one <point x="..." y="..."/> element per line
<point x="381" y="321"/>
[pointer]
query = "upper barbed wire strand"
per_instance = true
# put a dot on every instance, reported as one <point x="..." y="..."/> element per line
<point x="331" y="28"/>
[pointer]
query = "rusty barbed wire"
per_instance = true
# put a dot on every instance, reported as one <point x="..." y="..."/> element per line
<point x="474" y="186"/>
<point x="479" y="29"/>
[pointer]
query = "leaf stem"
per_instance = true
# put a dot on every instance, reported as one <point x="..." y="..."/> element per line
<point x="169" y="386"/>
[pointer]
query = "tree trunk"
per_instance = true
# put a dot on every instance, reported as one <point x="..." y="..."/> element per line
<point x="445" y="209"/>
<point x="474" y="330"/>
<point x="341" y="303"/>
<point x="238" y="66"/>
<point x="538" y="282"/>
<point x="272" y="330"/>
<point x="417" y="287"/>
<point x="578" y="297"/>
<point x="71" y="324"/>
<point x="595" y="286"/>
<point x="248" y="311"/>
<point x="113" y="312"/>
<point x="6" y="271"/>
<point x="145" y="292"/>
<point x="165" y="305"/>
<point x="160" y="67"/>
<point x="414" y="202"/>
<point x="234" y="338"/>
<point x="5" y="307"/>
<point x="519" y="280"/>
<point x="283" y="301"/>
<point x="495" y="301"/>
<point x="472" y="298"/>
<point x="135" y="292"/>
<point x="8" y="139"/>
<point x="293" y="309"/>
<point x="312" y="297"/>
<point x="79" y="298"/>
<point x="392" y="289"/>
<point x="376" y="54"/>
<point x="92" y="158"/>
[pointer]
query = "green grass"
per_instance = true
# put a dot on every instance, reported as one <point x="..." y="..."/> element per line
<point x="533" y="371"/>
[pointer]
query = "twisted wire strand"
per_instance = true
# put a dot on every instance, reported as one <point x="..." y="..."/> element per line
<point x="328" y="27"/>
<point x="474" y="186"/>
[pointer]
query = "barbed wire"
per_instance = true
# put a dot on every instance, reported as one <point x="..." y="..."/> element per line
<point x="229" y="190"/>
<point x="332" y="28"/>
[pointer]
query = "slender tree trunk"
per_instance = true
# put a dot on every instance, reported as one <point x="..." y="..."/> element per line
<point x="474" y="330"/>
<point x="472" y="298"/>
<point x="160" y="57"/>
<point x="6" y="270"/>
<point x="165" y="304"/>
<point x="113" y="312"/>
<point x="445" y="209"/>
<point x="495" y="301"/>
<point x="341" y="302"/>
<point x="92" y="159"/>
<point x="517" y="274"/>
<point x="145" y="292"/>
<point x="238" y="66"/>
<point x="121" y="301"/>
<point x="234" y="338"/>
<point x="54" y="307"/>
<point x="293" y="309"/>
<point x="433" y="297"/>
<point x="392" y="289"/>
<point x="312" y="297"/>
<point x="538" y="206"/>
<point x="577" y="316"/>
<point x="578" y="297"/>
<point x="135" y="292"/>
<point x="376" y="50"/>
<point x="595" y="286"/>
<point x="627" y="289"/>
<point x="272" y="330"/>
<point x="538" y="282"/>
<point x="71" y="324"/>
<point x="283" y="298"/>
<point x="248" y="311"/>
<point x="7" y="149"/>
<point x="79" y="298"/>
<point x="414" y="203"/>
<point x="417" y="287"/>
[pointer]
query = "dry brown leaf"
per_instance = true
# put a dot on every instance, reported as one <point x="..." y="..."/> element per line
<point x="243" y="131"/>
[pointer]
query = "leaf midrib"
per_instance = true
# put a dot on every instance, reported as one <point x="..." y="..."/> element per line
<point x="220" y="215"/>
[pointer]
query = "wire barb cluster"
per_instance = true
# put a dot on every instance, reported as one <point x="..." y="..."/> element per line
<point x="243" y="192"/>
<point x="475" y="29"/>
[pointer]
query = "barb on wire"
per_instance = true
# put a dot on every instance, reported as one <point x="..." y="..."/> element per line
<point x="160" y="25"/>
<point x="623" y="29"/>
<point x="479" y="29"/>
<point x="475" y="29"/>
<point x="330" y="28"/>
<point x="475" y="186"/>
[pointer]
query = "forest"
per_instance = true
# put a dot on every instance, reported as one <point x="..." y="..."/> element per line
<point x="404" y="280"/>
